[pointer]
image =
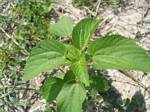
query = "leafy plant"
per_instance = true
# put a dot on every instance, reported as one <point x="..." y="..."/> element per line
<point x="80" y="55"/>
<point x="33" y="19"/>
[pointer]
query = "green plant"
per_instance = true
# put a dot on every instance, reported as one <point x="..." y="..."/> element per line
<point x="81" y="56"/>
<point x="33" y="19"/>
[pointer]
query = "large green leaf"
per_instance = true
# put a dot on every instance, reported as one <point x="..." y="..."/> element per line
<point x="83" y="31"/>
<point x="100" y="83"/>
<point x="80" y="70"/>
<point x="71" y="98"/>
<point x="48" y="55"/>
<point x="118" y="52"/>
<point x="51" y="88"/>
<point x="63" y="27"/>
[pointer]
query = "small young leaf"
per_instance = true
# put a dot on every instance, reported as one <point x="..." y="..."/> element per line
<point x="51" y="88"/>
<point x="49" y="54"/>
<point x="83" y="31"/>
<point x="100" y="83"/>
<point x="80" y="70"/>
<point x="78" y="64"/>
<point x="73" y="53"/>
<point x="71" y="98"/>
<point x="63" y="27"/>
<point x="118" y="52"/>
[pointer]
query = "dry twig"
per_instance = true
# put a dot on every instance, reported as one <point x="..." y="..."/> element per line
<point x="135" y="80"/>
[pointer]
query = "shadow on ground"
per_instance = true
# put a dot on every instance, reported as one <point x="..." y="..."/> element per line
<point x="111" y="101"/>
